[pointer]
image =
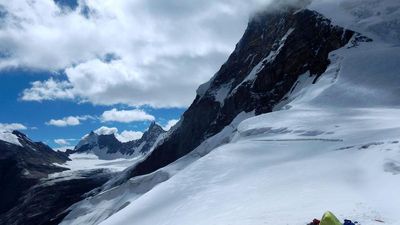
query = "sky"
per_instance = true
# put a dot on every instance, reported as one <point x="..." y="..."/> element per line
<point x="68" y="67"/>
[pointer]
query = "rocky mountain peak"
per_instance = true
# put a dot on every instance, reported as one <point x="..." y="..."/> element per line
<point x="154" y="129"/>
<point x="275" y="50"/>
<point x="107" y="146"/>
<point x="22" y="164"/>
<point x="19" y="134"/>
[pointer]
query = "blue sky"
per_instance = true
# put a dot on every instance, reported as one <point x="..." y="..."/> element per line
<point x="68" y="67"/>
<point x="34" y="115"/>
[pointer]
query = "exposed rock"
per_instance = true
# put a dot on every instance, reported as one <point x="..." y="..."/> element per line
<point x="46" y="202"/>
<point x="275" y="50"/>
<point x="107" y="146"/>
<point x="21" y="166"/>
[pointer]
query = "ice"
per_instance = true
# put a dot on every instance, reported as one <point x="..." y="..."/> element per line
<point x="89" y="161"/>
<point x="379" y="19"/>
<point x="9" y="137"/>
<point x="333" y="145"/>
<point x="221" y="93"/>
<point x="251" y="182"/>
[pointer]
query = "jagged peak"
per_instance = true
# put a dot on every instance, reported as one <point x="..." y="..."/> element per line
<point x="19" y="134"/>
<point x="154" y="127"/>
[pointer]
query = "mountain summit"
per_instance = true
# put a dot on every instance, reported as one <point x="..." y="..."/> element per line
<point x="275" y="50"/>
<point x="107" y="146"/>
<point x="302" y="108"/>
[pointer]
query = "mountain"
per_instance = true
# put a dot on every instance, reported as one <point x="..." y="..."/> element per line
<point x="38" y="186"/>
<point x="107" y="146"/>
<point x="34" y="187"/>
<point x="275" y="50"/>
<point x="23" y="163"/>
<point x="300" y="119"/>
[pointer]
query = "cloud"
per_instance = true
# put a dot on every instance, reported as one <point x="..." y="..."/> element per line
<point x="170" y="124"/>
<point x="106" y="130"/>
<point x="119" y="51"/>
<point x="48" y="90"/>
<point x="129" y="135"/>
<point x="12" y="126"/>
<point x="63" y="142"/>
<point x="68" y="121"/>
<point x="124" y="136"/>
<point x="126" y="116"/>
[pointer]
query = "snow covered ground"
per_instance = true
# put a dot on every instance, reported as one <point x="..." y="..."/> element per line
<point x="86" y="161"/>
<point x="87" y="164"/>
<point x="333" y="145"/>
<point x="289" y="174"/>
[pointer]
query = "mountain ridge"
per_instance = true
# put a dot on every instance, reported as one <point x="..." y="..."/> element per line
<point x="107" y="146"/>
<point x="296" y="41"/>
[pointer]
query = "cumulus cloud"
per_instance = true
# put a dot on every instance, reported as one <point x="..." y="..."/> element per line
<point x="48" y="90"/>
<point x="12" y="126"/>
<point x="63" y="142"/>
<point x="170" y="124"/>
<point x="68" y="121"/>
<point x="124" y="136"/>
<point x="126" y="116"/>
<point x="106" y="130"/>
<point x="129" y="135"/>
<point x="119" y="51"/>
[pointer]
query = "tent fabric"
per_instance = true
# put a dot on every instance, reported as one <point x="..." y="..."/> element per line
<point x="329" y="219"/>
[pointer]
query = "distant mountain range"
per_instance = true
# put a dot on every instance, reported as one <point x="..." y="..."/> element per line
<point x="107" y="146"/>
<point x="25" y="166"/>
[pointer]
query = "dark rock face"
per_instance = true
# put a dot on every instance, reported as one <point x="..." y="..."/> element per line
<point x="46" y="203"/>
<point x="113" y="145"/>
<point x="22" y="166"/>
<point x="275" y="50"/>
<point x="147" y="141"/>
<point x="27" y="195"/>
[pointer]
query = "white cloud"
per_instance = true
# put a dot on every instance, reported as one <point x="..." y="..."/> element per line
<point x="126" y="116"/>
<point x="48" y="90"/>
<point x="68" y="121"/>
<point x="170" y="124"/>
<point x="129" y="135"/>
<point x="162" y="50"/>
<point x="106" y="130"/>
<point x="12" y="126"/>
<point x="124" y="136"/>
<point x="63" y="142"/>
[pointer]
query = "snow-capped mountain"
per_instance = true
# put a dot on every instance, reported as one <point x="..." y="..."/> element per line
<point x="276" y="49"/>
<point x="302" y="118"/>
<point x="107" y="146"/>
<point x="38" y="183"/>
<point x="23" y="163"/>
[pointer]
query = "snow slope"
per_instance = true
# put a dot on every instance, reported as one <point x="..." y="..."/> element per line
<point x="88" y="161"/>
<point x="287" y="174"/>
<point x="97" y="208"/>
<point x="9" y="137"/>
<point x="333" y="145"/>
<point x="290" y="166"/>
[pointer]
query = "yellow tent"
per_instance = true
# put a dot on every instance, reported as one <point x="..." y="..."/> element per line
<point x="330" y="219"/>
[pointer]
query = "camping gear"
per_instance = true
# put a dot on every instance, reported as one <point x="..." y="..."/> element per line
<point x="349" y="222"/>
<point x="314" y="222"/>
<point x="329" y="219"/>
